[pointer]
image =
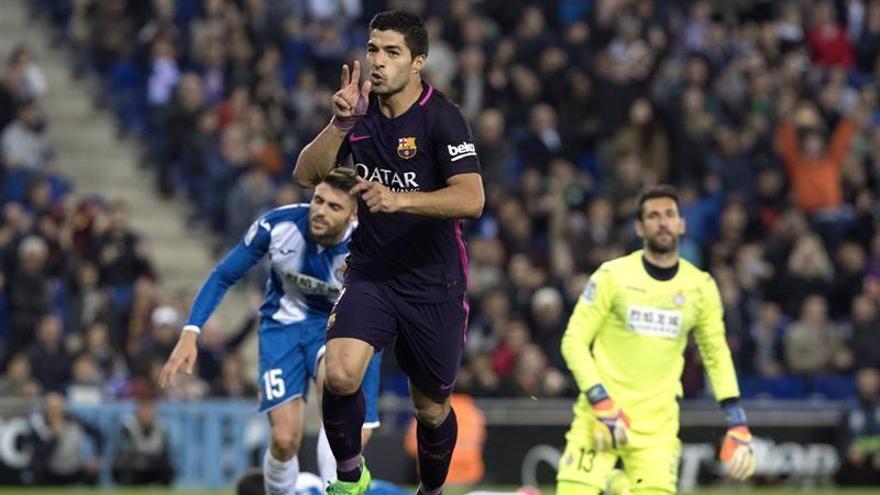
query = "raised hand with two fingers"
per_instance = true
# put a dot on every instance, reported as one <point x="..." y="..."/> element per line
<point x="351" y="101"/>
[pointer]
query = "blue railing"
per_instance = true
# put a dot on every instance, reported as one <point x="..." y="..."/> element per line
<point x="209" y="444"/>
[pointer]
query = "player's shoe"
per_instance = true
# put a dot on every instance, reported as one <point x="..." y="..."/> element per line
<point x="358" y="487"/>
<point x="617" y="483"/>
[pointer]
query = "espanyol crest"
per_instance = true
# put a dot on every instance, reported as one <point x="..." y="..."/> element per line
<point x="406" y="147"/>
<point x="678" y="299"/>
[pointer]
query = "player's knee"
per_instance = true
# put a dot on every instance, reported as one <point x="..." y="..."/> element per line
<point x="285" y="443"/>
<point x="432" y="415"/>
<point x="340" y="381"/>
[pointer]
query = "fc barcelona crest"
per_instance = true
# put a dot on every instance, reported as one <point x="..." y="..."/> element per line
<point x="406" y="147"/>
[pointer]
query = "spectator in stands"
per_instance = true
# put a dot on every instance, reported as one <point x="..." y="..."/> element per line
<point x="165" y="324"/>
<point x="86" y="386"/>
<point x="644" y="135"/>
<point x="18" y="380"/>
<point x="506" y="355"/>
<point x="121" y="259"/>
<point x="35" y="84"/>
<point x="828" y="39"/>
<point x="813" y="344"/>
<point x="860" y="433"/>
<point x="12" y="92"/>
<point x="534" y="377"/>
<point x="108" y="360"/>
<point x="119" y="254"/>
<point x="814" y="167"/>
<point x="232" y="382"/>
<point x="59" y="440"/>
<point x="868" y="45"/>
<point x="766" y="343"/>
<point x="848" y="275"/>
<point x="27" y="290"/>
<point x="50" y="360"/>
<point x="481" y="379"/>
<point x="182" y="117"/>
<point x="143" y="451"/>
<point x="497" y="154"/>
<point x="23" y="143"/>
<point x="865" y="333"/>
<point x="111" y="34"/>
<point x="544" y="142"/>
<point x="225" y="163"/>
<point x="251" y="196"/>
<point x="548" y="323"/>
<point x="808" y="271"/>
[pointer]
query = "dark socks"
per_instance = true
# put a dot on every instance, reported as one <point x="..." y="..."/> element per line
<point x="343" y="420"/>
<point x="435" y="453"/>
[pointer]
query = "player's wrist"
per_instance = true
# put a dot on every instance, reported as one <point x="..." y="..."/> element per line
<point x="597" y="394"/>
<point x="734" y="414"/>
<point x="344" y="124"/>
<point x="190" y="330"/>
<point x="404" y="201"/>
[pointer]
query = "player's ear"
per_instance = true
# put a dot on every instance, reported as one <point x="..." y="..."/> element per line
<point x="640" y="229"/>
<point x="418" y="63"/>
<point x="683" y="229"/>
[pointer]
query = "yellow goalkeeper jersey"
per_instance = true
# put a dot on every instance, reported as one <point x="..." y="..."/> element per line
<point x="628" y="332"/>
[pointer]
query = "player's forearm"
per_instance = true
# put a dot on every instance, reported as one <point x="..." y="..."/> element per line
<point x="453" y="201"/>
<point x="207" y="299"/>
<point x="318" y="158"/>
<point x="718" y="362"/>
<point x="579" y="360"/>
<point x="575" y="348"/>
<point x="236" y="263"/>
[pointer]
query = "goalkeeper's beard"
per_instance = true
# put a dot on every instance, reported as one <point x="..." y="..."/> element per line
<point x="652" y="245"/>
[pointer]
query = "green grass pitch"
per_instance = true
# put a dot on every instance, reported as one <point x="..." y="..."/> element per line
<point x="453" y="491"/>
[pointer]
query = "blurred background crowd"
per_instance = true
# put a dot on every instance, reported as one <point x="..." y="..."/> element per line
<point x="763" y="113"/>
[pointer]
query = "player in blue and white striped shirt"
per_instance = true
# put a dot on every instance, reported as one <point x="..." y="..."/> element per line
<point x="307" y="245"/>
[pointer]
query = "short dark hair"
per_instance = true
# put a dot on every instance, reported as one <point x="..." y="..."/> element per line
<point x="406" y="23"/>
<point x="251" y="483"/>
<point x="341" y="178"/>
<point x="657" y="191"/>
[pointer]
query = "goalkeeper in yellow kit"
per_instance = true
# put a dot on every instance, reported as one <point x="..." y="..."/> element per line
<point x="624" y="344"/>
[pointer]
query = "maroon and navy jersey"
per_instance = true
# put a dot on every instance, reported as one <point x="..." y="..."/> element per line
<point x="421" y="258"/>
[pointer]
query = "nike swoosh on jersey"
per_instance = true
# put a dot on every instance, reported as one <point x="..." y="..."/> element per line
<point x="355" y="137"/>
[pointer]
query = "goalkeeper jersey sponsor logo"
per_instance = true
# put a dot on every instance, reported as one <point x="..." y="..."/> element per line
<point x="654" y="322"/>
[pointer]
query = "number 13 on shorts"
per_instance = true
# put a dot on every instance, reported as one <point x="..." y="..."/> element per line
<point x="274" y="384"/>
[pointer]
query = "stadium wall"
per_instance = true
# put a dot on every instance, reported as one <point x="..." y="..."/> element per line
<point x="213" y="442"/>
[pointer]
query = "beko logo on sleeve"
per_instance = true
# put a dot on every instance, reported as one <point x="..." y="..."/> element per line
<point x="463" y="150"/>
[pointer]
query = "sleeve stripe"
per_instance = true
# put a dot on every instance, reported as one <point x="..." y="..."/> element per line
<point x="459" y="157"/>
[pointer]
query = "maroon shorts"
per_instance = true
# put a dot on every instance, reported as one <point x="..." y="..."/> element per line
<point x="430" y="336"/>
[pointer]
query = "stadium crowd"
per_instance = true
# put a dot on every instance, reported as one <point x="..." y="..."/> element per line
<point x="763" y="113"/>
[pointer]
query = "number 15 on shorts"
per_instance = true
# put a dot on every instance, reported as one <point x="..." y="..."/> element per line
<point x="274" y="384"/>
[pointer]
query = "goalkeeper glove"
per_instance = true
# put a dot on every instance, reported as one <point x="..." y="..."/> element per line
<point x="611" y="425"/>
<point x="736" y="449"/>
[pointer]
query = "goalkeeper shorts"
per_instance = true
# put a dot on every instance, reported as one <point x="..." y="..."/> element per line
<point x="652" y="466"/>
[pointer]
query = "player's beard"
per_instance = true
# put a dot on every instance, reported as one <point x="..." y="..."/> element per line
<point x="329" y="234"/>
<point x="391" y="87"/>
<point x="655" y="246"/>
